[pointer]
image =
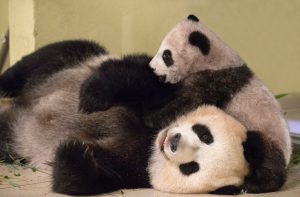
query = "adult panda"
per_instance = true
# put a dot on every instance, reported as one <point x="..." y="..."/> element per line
<point x="101" y="152"/>
<point x="206" y="71"/>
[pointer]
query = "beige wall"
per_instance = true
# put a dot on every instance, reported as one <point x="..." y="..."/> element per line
<point x="21" y="28"/>
<point x="3" y="16"/>
<point x="4" y="22"/>
<point x="266" y="33"/>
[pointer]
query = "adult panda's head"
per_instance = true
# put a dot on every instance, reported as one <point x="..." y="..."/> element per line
<point x="199" y="153"/>
<point x="191" y="47"/>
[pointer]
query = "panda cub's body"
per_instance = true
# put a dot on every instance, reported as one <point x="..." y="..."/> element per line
<point x="205" y="70"/>
<point x="108" y="150"/>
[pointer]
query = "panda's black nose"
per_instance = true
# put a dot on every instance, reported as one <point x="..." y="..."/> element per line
<point x="152" y="69"/>
<point x="174" y="141"/>
<point x="162" y="78"/>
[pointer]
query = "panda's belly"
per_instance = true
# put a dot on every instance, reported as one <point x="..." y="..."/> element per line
<point x="39" y="130"/>
<point x="258" y="110"/>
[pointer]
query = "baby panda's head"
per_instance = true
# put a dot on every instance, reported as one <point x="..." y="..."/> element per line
<point x="191" y="47"/>
<point x="199" y="153"/>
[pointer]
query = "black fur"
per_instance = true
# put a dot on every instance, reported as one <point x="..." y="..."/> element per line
<point x="203" y="133"/>
<point x="206" y="87"/>
<point x="167" y="57"/>
<point x="189" y="168"/>
<point x="36" y="67"/>
<point x="136" y="86"/>
<point x="84" y="168"/>
<point x="193" y="18"/>
<point x="129" y="81"/>
<point x="265" y="176"/>
<point x="228" y="190"/>
<point x="199" y="40"/>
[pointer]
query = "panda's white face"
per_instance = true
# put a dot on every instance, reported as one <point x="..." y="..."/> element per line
<point x="199" y="153"/>
<point x="191" y="47"/>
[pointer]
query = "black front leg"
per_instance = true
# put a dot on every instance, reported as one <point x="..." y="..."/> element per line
<point x="129" y="81"/>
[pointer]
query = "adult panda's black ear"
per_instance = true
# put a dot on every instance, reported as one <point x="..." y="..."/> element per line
<point x="198" y="39"/>
<point x="193" y="18"/>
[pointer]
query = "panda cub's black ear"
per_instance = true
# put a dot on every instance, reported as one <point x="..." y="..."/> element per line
<point x="193" y="18"/>
<point x="199" y="40"/>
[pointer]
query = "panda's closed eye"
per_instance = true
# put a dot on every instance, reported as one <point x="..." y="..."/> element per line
<point x="167" y="57"/>
<point x="203" y="133"/>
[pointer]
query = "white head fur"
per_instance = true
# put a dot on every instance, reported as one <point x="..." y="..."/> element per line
<point x="192" y="48"/>
<point x="220" y="162"/>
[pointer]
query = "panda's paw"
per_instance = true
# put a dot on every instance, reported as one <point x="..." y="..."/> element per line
<point x="94" y="96"/>
<point x="84" y="168"/>
<point x="267" y="163"/>
<point x="74" y="168"/>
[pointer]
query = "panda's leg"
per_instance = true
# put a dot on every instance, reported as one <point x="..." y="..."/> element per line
<point x="82" y="168"/>
<point x="267" y="164"/>
<point x="129" y="81"/>
<point x="7" y="153"/>
<point x="39" y="65"/>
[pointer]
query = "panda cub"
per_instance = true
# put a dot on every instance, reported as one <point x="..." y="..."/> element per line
<point x="204" y="70"/>
<point x="191" y="53"/>
<point x="200" y="152"/>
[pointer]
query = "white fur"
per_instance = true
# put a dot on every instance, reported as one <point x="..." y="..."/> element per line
<point x="222" y="162"/>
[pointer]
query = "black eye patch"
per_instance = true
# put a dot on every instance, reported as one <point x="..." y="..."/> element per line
<point x="189" y="168"/>
<point x="167" y="57"/>
<point x="199" y="40"/>
<point x="203" y="133"/>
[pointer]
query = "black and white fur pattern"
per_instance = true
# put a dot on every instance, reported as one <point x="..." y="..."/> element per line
<point x="199" y="153"/>
<point x="205" y="70"/>
<point x="89" y="153"/>
<point x="102" y="151"/>
<point x="195" y="50"/>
